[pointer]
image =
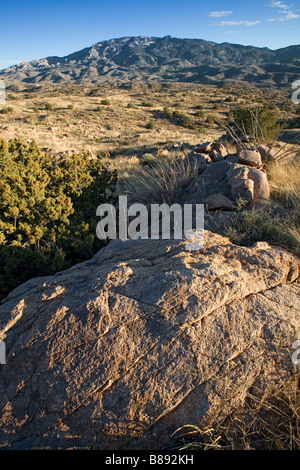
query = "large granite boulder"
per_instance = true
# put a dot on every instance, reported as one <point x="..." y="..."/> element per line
<point x="120" y="351"/>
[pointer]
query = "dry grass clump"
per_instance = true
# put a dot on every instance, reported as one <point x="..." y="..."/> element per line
<point x="263" y="423"/>
<point x="284" y="178"/>
<point x="162" y="177"/>
<point x="273" y="224"/>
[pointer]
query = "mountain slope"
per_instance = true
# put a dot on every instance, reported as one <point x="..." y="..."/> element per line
<point x="163" y="59"/>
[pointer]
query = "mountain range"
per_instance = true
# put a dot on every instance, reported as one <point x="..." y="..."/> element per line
<point x="163" y="59"/>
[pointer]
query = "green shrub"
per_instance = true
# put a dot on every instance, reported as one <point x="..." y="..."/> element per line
<point x="48" y="106"/>
<point x="146" y="104"/>
<point x="48" y="212"/>
<point x="199" y="113"/>
<point x="150" y="125"/>
<point x="261" y="123"/>
<point x="210" y="119"/>
<point x="148" y="159"/>
<point x="179" y="118"/>
<point x="7" y="110"/>
<point x="105" y="102"/>
<point x="168" y="112"/>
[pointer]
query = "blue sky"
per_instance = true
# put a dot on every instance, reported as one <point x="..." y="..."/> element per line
<point x="34" y="29"/>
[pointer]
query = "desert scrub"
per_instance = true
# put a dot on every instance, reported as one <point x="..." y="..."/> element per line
<point x="105" y="102"/>
<point x="210" y="119"/>
<point x="261" y="123"/>
<point x="200" y="113"/>
<point x="271" y="224"/>
<point x="48" y="106"/>
<point x="47" y="212"/>
<point x="148" y="159"/>
<point x="7" y="110"/>
<point x="179" y="118"/>
<point x="150" y="125"/>
<point x="167" y="112"/>
<point x="146" y="104"/>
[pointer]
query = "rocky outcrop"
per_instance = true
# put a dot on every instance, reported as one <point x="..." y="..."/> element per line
<point x="236" y="176"/>
<point x="120" y="351"/>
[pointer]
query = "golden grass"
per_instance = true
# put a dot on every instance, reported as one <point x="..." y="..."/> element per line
<point x="284" y="178"/>
<point x="263" y="423"/>
<point x="75" y="124"/>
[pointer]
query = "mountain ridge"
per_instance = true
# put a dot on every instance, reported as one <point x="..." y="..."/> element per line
<point x="163" y="59"/>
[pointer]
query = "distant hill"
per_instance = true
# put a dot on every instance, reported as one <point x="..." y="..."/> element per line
<point x="163" y="59"/>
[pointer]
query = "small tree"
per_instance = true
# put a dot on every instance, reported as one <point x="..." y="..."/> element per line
<point x="261" y="123"/>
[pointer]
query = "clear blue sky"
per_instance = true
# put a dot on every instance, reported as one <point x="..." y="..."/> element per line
<point x="32" y="29"/>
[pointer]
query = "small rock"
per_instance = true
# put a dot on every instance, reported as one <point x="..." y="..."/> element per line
<point x="247" y="138"/>
<point x="133" y="159"/>
<point x="177" y="145"/>
<point x="219" y="148"/>
<point x="232" y="158"/>
<point x="243" y="189"/>
<point x="194" y="161"/>
<point x="162" y="152"/>
<point x="204" y="148"/>
<point x="250" y="157"/>
<point x="240" y="147"/>
<point x="219" y="201"/>
<point x="215" y="156"/>
<point x="266" y="152"/>
<point x="241" y="186"/>
<point x="261" y="186"/>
